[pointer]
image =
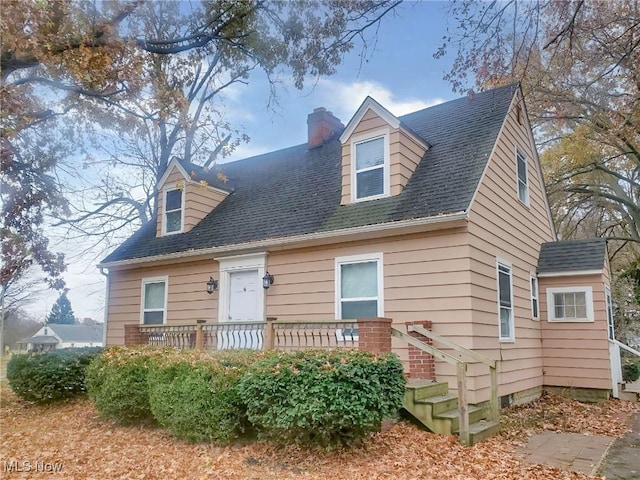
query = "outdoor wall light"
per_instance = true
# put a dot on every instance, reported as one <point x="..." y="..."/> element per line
<point x="212" y="285"/>
<point x="267" y="281"/>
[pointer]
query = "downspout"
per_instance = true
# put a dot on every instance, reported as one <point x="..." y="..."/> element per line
<point x="106" y="305"/>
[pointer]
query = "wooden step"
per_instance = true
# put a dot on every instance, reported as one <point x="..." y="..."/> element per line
<point x="440" y="403"/>
<point x="475" y="414"/>
<point x="482" y="430"/>
<point x="426" y="388"/>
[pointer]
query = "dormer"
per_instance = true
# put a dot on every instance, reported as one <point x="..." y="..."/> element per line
<point x="379" y="154"/>
<point x="183" y="200"/>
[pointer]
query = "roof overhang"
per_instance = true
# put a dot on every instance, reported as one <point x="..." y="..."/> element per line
<point x="187" y="177"/>
<point x="366" y="232"/>
<point x="570" y="273"/>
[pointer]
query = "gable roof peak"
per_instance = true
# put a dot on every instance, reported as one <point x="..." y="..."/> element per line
<point x="369" y="104"/>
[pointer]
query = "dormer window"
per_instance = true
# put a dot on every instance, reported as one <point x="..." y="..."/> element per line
<point x="371" y="168"/>
<point x="173" y="211"/>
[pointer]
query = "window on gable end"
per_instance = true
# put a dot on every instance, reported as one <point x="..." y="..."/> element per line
<point x="505" y="303"/>
<point x="173" y="211"/>
<point x="523" y="182"/>
<point x="371" y="169"/>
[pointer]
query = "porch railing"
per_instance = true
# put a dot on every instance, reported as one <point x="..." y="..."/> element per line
<point x="461" y="359"/>
<point x="324" y="334"/>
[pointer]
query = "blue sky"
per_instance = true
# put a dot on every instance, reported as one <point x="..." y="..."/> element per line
<point x="400" y="73"/>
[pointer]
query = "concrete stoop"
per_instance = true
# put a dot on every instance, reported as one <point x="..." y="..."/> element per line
<point x="431" y="404"/>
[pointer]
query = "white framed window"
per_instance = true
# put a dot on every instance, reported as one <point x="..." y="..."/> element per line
<point x="523" y="182"/>
<point x="359" y="286"/>
<point x="505" y="302"/>
<point x="173" y="221"/>
<point x="570" y="304"/>
<point x="610" y="322"/>
<point x="535" y="303"/>
<point x="370" y="166"/>
<point x="153" y="309"/>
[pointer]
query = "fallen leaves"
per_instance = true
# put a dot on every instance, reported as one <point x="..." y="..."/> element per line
<point x="90" y="447"/>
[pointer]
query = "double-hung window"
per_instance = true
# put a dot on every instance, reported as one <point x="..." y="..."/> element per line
<point x="535" y="305"/>
<point x="154" y="301"/>
<point x="359" y="286"/>
<point x="371" y="165"/>
<point x="505" y="302"/>
<point x="173" y="211"/>
<point x="523" y="184"/>
<point x="570" y="304"/>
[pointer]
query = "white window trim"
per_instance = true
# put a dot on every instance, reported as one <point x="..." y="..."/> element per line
<point x="551" y="311"/>
<point x="236" y="263"/>
<point x="386" y="169"/>
<point x="367" y="257"/>
<point x="532" y="277"/>
<point x="512" y="332"/>
<point x="165" y="191"/>
<point x="146" y="281"/>
<point x="526" y="172"/>
<point x="611" y="332"/>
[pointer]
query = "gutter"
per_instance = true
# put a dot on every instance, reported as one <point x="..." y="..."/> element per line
<point x="106" y="306"/>
<point x="316" y="238"/>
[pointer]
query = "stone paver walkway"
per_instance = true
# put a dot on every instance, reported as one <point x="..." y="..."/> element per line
<point x="568" y="451"/>
<point x="623" y="459"/>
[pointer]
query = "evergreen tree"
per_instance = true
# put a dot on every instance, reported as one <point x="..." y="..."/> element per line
<point x="61" y="312"/>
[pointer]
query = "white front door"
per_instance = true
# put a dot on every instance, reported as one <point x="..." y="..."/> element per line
<point x="244" y="295"/>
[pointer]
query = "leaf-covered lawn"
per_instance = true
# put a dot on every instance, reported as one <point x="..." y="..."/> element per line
<point x="87" y="446"/>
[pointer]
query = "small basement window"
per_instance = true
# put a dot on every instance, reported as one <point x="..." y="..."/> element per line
<point x="570" y="304"/>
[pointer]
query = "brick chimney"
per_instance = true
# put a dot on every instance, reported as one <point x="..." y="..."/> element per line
<point x="322" y="126"/>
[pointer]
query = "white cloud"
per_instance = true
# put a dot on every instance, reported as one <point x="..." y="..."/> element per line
<point x="345" y="98"/>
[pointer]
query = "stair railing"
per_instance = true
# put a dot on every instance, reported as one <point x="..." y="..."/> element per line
<point x="461" y="371"/>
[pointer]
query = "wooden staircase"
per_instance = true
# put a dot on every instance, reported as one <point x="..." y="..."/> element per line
<point x="431" y="404"/>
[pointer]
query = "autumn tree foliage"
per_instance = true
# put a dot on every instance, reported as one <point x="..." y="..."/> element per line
<point x="141" y="79"/>
<point x="578" y="62"/>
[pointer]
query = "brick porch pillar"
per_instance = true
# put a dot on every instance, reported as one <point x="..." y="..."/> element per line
<point x="133" y="336"/>
<point x="374" y="334"/>
<point x="421" y="364"/>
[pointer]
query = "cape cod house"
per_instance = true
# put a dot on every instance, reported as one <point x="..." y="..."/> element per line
<point x="438" y="215"/>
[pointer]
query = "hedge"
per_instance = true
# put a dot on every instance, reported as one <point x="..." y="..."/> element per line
<point x="322" y="398"/>
<point x="195" y="396"/>
<point x="52" y="376"/>
<point x="117" y="382"/>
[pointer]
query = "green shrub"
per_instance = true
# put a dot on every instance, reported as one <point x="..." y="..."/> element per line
<point x="117" y="382"/>
<point x="51" y="376"/>
<point x="322" y="398"/>
<point x="631" y="372"/>
<point x="195" y="395"/>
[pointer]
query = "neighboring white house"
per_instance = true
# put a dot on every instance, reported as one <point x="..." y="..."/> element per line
<point x="55" y="336"/>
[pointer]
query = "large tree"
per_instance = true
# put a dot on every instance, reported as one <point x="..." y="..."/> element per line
<point x="61" y="312"/>
<point x="578" y="62"/>
<point x="152" y="70"/>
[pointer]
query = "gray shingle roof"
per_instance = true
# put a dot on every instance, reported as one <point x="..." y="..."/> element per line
<point x="297" y="190"/>
<point x="572" y="256"/>
<point x="78" y="333"/>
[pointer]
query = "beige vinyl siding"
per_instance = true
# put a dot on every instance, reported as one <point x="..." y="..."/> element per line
<point x="501" y="227"/>
<point x="173" y="180"/>
<point x="187" y="299"/>
<point x="200" y="201"/>
<point x="404" y="155"/>
<point x="576" y="354"/>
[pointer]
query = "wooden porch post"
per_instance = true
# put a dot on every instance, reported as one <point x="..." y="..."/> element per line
<point x="269" y="334"/>
<point x="200" y="335"/>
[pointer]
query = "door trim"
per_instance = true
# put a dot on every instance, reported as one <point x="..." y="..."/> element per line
<point x="253" y="261"/>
